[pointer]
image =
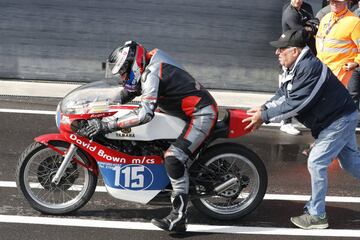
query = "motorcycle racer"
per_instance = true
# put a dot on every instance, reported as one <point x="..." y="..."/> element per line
<point x="162" y="83"/>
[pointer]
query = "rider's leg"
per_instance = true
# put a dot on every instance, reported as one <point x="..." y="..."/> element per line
<point x="194" y="133"/>
<point x="175" y="163"/>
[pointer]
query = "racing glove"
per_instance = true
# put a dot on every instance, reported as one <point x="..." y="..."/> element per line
<point x="95" y="127"/>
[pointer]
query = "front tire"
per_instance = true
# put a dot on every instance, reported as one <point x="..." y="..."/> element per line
<point x="36" y="168"/>
<point x="219" y="164"/>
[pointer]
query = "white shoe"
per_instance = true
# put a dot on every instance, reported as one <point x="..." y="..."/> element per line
<point x="289" y="129"/>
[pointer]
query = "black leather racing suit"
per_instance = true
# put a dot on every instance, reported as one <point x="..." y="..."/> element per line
<point x="165" y="84"/>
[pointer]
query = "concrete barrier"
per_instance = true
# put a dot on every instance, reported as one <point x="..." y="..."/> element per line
<point x="223" y="44"/>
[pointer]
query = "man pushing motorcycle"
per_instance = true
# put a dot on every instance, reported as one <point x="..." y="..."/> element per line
<point x="162" y="83"/>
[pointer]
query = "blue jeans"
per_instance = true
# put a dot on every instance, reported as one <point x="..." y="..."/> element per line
<point x="337" y="140"/>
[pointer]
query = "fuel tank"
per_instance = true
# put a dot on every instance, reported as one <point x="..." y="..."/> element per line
<point x="162" y="126"/>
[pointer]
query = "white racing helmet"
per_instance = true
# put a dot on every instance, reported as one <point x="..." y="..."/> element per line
<point x="130" y="59"/>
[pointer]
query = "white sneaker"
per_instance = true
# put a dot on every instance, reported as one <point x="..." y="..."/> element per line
<point x="289" y="129"/>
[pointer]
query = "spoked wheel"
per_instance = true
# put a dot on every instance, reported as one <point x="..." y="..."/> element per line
<point x="232" y="179"/>
<point x="37" y="167"/>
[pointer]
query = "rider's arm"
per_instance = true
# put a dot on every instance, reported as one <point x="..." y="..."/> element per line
<point x="126" y="96"/>
<point x="144" y="114"/>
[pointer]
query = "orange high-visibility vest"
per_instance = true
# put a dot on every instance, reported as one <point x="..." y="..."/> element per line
<point x="338" y="42"/>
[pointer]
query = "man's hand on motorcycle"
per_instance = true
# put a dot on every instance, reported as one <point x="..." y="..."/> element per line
<point x="94" y="127"/>
<point x="254" y="119"/>
<point x="253" y="110"/>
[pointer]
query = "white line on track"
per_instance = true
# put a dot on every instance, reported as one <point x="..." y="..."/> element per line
<point x="304" y="198"/>
<point x="191" y="227"/>
<point x="10" y="184"/>
<point x="281" y="197"/>
<point x="8" y="110"/>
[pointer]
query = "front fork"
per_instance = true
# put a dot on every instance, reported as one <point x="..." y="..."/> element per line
<point x="65" y="163"/>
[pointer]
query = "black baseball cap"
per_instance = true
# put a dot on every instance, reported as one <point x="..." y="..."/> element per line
<point x="290" y="38"/>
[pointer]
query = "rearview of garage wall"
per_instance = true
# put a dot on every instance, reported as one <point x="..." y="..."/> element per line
<point x="222" y="43"/>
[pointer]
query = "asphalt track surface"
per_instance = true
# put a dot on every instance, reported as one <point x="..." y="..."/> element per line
<point x="107" y="218"/>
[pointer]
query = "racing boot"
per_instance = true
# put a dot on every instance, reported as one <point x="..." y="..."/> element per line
<point x="177" y="219"/>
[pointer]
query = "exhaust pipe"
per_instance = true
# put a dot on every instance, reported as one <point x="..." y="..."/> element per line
<point x="226" y="185"/>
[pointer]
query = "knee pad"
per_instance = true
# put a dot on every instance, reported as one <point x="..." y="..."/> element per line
<point x="174" y="167"/>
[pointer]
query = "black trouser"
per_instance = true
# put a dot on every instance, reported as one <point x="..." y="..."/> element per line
<point x="354" y="87"/>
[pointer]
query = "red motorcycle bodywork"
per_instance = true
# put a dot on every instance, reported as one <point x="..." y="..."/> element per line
<point x="236" y="126"/>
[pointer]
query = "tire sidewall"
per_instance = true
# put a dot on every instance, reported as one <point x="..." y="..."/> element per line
<point x="232" y="148"/>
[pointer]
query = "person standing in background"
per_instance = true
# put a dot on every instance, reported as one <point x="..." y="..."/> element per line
<point x="338" y="40"/>
<point x="357" y="11"/>
<point x="352" y="5"/>
<point x="354" y="82"/>
<point x="297" y="14"/>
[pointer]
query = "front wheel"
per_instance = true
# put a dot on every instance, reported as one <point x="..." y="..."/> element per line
<point x="228" y="162"/>
<point x="36" y="168"/>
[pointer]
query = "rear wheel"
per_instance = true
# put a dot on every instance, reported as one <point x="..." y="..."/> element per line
<point x="228" y="163"/>
<point x="36" y="168"/>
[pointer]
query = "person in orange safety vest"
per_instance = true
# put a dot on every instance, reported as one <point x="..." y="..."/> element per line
<point x="338" y="40"/>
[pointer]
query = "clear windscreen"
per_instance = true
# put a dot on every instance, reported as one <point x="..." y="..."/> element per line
<point x="93" y="97"/>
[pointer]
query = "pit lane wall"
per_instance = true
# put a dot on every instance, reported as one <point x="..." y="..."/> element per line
<point x="223" y="44"/>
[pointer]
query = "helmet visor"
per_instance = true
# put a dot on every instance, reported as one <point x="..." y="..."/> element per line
<point x="117" y="60"/>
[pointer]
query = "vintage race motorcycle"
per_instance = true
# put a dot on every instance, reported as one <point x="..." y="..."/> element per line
<point x="58" y="173"/>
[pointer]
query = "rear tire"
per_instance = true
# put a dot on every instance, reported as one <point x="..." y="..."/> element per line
<point x="225" y="161"/>
<point x="38" y="164"/>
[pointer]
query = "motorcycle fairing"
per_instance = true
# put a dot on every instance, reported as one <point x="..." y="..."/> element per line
<point x="162" y="126"/>
<point x="236" y="126"/>
<point x="126" y="177"/>
<point x="134" y="182"/>
<point x="108" y="155"/>
<point x="170" y="126"/>
<point x="46" y="138"/>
